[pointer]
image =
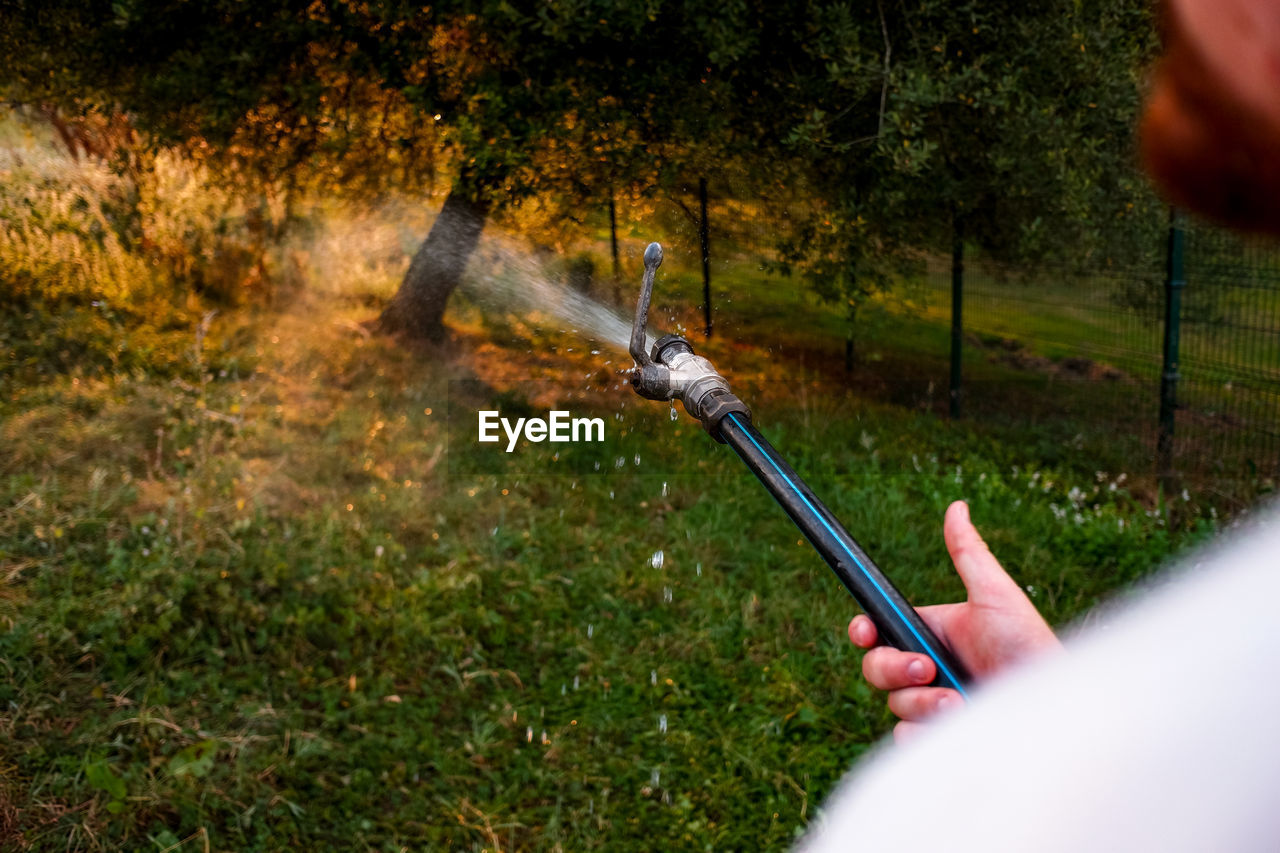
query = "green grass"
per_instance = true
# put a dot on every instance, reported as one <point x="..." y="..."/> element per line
<point x="252" y="602"/>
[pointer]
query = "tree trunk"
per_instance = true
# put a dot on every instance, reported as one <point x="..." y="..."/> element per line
<point x="417" y="309"/>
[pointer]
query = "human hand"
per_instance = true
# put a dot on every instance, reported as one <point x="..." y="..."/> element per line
<point x="997" y="626"/>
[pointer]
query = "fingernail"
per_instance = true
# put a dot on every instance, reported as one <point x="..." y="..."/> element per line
<point x="945" y="702"/>
<point x="916" y="670"/>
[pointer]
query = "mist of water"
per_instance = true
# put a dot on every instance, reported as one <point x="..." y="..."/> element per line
<point x="504" y="276"/>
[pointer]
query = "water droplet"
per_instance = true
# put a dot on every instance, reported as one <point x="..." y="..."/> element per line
<point x="675" y="416"/>
<point x="619" y="462"/>
<point x="544" y="738"/>
<point x="656" y="560"/>
<point x="564" y="689"/>
<point x="653" y="677"/>
<point x="528" y="734"/>
<point x="662" y="724"/>
<point x="637" y="459"/>
<point x="655" y="777"/>
<point x="664" y="489"/>
<point x="666" y="594"/>
<point x="699" y="567"/>
<point x="591" y="629"/>
<point x="575" y="682"/>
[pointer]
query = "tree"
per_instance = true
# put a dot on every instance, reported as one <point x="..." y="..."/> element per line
<point x="1008" y="124"/>
<point x="499" y="84"/>
<point x="903" y="121"/>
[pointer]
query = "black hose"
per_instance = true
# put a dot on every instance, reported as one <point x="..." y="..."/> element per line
<point x="896" y="620"/>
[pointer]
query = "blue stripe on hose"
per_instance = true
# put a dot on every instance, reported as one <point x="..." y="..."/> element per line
<point x="928" y="650"/>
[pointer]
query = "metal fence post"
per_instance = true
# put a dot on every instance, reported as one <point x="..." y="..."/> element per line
<point x="1174" y="282"/>
<point x="957" y="328"/>
<point x="705" y="236"/>
<point x="613" y="234"/>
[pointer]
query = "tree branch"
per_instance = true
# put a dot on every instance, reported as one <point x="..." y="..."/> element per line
<point x="693" y="217"/>
<point x="884" y="86"/>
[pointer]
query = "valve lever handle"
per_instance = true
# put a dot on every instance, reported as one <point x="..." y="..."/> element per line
<point x="652" y="260"/>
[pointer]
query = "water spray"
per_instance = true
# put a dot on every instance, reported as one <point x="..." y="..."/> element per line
<point x="673" y="371"/>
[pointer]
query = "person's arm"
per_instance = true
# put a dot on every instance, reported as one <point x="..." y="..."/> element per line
<point x="996" y="627"/>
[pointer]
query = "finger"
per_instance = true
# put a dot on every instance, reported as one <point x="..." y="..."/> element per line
<point x="920" y="703"/>
<point x="904" y="732"/>
<point x="978" y="568"/>
<point x="862" y="632"/>
<point x="889" y="669"/>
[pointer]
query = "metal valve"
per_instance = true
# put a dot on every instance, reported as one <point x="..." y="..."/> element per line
<point x="673" y="371"/>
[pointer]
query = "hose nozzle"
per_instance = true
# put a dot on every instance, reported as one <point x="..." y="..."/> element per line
<point x="673" y="371"/>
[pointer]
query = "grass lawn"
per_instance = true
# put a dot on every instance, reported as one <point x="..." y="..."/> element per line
<point x="258" y="595"/>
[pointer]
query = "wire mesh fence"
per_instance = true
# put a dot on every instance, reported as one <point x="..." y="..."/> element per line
<point x="1105" y="330"/>
<point x="1060" y="348"/>
<point x="1230" y="354"/>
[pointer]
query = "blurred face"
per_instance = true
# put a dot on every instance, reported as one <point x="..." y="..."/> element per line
<point x="1211" y="130"/>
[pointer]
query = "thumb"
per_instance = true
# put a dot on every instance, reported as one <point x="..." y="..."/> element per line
<point x="984" y="579"/>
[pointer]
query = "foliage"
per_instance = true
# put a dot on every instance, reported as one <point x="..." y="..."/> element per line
<point x="106" y="256"/>
<point x="1007" y="124"/>
<point x="889" y="106"/>
<point x="69" y="228"/>
<point x="1008" y="127"/>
